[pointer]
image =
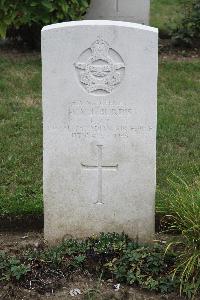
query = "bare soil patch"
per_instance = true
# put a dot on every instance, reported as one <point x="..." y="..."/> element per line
<point x="21" y="223"/>
<point x="169" y="53"/>
<point x="105" y="292"/>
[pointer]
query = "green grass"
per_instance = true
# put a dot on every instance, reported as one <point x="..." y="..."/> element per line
<point x="21" y="129"/>
<point x="20" y="136"/>
<point x="165" y="14"/>
<point x="182" y="210"/>
<point x="178" y="122"/>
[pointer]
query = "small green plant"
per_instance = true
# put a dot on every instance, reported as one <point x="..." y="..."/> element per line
<point x="188" y="32"/>
<point x="183" y="208"/>
<point x="145" y="266"/>
<point x="11" y="268"/>
<point x="93" y="293"/>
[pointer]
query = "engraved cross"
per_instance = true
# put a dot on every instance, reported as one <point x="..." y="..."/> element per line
<point x="100" y="167"/>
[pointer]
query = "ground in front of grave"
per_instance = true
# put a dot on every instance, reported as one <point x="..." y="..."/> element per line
<point x="14" y="243"/>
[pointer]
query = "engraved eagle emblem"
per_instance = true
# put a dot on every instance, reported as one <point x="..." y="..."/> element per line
<point x="100" y="72"/>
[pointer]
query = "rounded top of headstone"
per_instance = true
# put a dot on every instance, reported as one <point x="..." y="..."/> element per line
<point x="99" y="23"/>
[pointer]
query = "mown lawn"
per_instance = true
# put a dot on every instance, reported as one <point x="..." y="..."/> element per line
<point x="178" y="139"/>
<point x="21" y="129"/>
<point x="20" y="135"/>
<point x="166" y="14"/>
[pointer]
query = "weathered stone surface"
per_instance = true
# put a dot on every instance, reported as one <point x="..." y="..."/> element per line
<point x="99" y="109"/>
<point x="137" y="11"/>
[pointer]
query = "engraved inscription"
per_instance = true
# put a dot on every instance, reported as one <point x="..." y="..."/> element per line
<point x="100" y="119"/>
<point x="100" y="68"/>
<point x="100" y="167"/>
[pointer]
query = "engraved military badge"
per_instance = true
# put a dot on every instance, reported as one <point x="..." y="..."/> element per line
<point x="100" y="68"/>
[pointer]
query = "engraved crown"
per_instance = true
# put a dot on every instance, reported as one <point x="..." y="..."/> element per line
<point x="100" y="48"/>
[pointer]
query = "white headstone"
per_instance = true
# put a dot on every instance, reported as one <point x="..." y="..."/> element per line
<point x="99" y="109"/>
<point x="137" y="11"/>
